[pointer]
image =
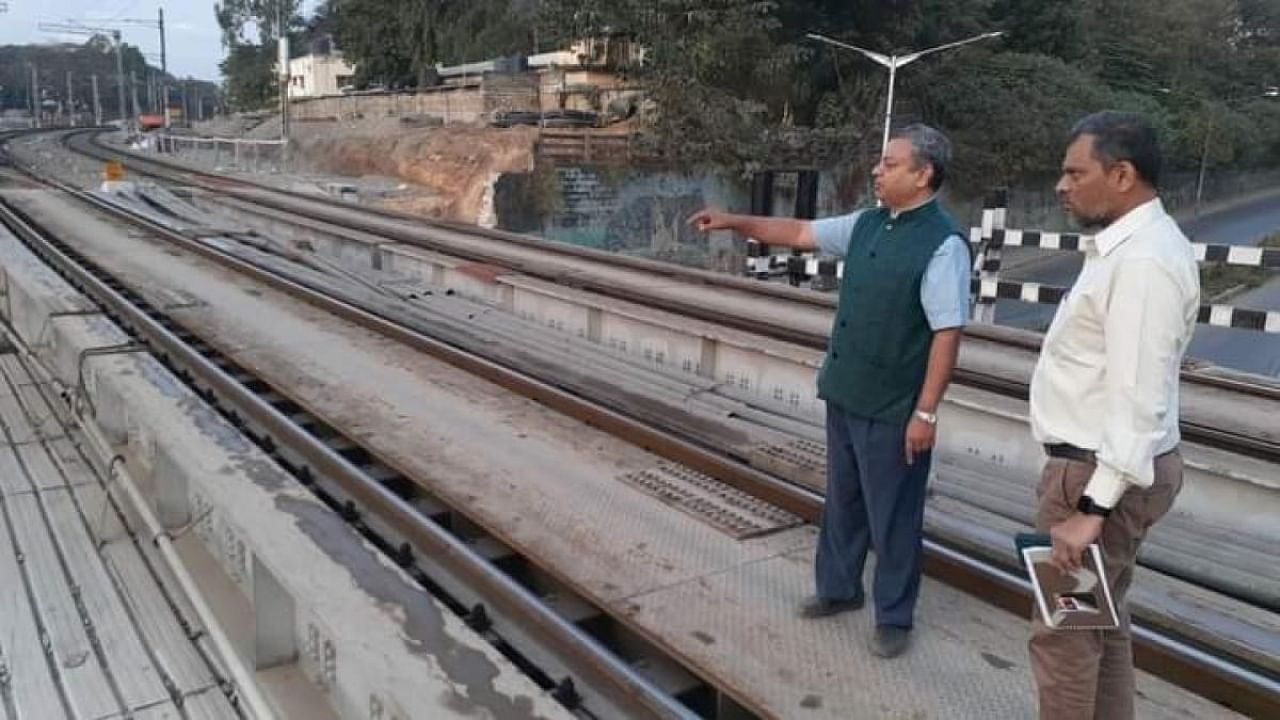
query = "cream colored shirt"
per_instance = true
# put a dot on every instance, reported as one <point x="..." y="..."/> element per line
<point x="1107" y="379"/>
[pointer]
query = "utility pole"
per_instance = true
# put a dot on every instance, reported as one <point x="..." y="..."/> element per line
<point x="71" y="102"/>
<point x="124" y="111"/>
<point x="164" y="72"/>
<point x="78" y="29"/>
<point x="35" y="94"/>
<point x="282" y="43"/>
<point x="133" y="88"/>
<point x="97" y="102"/>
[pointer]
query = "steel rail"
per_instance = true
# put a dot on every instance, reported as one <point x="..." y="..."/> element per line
<point x="591" y="662"/>
<point x="1232" y="684"/>
<point x="1022" y="339"/>
<point x="1253" y="446"/>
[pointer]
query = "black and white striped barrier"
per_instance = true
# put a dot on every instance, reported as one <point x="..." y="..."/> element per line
<point x="1240" y="318"/>
<point x="1216" y="315"/>
<point x="1244" y="255"/>
<point x="986" y="242"/>
<point x="823" y="273"/>
<point x="1024" y="292"/>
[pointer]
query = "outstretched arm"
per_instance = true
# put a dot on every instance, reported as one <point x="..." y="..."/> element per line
<point x="786" y="232"/>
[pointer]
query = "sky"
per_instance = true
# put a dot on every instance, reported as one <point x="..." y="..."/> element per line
<point x="194" y="44"/>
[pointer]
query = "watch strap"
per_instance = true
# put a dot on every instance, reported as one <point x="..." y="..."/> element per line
<point x="928" y="417"/>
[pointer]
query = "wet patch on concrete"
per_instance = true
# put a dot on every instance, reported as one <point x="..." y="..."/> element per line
<point x="422" y="623"/>
<point x="997" y="662"/>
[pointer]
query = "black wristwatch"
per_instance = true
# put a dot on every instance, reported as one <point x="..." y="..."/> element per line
<point x="1089" y="507"/>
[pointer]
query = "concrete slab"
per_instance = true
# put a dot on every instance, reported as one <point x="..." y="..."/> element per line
<point x="966" y="660"/>
<point x="362" y="630"/>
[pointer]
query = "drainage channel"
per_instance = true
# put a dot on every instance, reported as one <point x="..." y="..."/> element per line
<point x="572" y="649"/>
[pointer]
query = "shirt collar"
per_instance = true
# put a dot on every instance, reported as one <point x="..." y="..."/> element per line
<point x="1117" y="232"/>
<point x="913" y="208"/>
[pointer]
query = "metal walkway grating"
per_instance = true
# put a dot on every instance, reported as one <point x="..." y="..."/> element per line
<point x="721" y="506"/>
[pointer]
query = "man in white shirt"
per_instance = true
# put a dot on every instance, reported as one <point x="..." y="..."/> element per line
<point x="1104" y="398"/>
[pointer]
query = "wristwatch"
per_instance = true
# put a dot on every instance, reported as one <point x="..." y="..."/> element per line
<point x="928" y="417"/>
<point x="1087" y="506"/>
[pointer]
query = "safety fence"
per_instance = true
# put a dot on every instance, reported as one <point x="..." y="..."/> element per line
<point x="987" y="242"/>
<point x="237" y="153"/>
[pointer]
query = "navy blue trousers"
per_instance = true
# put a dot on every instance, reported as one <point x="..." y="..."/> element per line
<point x="874" y="501"/>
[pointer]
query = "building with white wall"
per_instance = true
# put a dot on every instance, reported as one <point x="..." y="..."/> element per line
<point x="318" y="75"/>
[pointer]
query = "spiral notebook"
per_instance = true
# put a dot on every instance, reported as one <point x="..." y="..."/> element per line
<point x="1078" y="601"/>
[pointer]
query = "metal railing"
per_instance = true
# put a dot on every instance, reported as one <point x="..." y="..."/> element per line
<point x="239" y="153"/>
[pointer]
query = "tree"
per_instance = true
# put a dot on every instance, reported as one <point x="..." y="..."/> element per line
<point x="96" y="56"/>
<point x="737" y="84"/>
<point x="249" y="67"/>
<point x="400" y="42"/>
<point x="248" y="80"/>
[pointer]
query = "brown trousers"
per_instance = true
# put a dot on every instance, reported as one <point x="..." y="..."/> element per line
<point x="1088" y="674"/>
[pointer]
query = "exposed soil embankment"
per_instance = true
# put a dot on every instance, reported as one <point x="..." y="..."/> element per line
<point x="456" y="166"/>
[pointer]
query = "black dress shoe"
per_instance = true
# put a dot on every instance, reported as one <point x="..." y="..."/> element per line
<point x="816" y="607"/>
<point x="890" y="641"/>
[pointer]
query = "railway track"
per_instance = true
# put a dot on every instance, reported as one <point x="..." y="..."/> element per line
<point x="383" y="506"/>
<point x="1214" y="431"/>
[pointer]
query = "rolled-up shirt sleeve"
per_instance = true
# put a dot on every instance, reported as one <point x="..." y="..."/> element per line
<point x="944" y="290"/>
<point x="833" y="234"/>
<point x="1143" y="331"/>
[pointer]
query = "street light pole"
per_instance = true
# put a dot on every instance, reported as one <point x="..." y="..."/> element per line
<point x="124" y="111"/>
<point x="893" y="62"/>
<point x="1208" y="133"/>
<point x="888" y="107"/>
<point x="1204" y="161"/>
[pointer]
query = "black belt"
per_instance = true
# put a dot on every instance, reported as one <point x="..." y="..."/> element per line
<point x="1071" y="452"/>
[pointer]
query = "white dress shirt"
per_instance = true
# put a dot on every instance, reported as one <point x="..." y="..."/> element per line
<point x="1107" y="378"/>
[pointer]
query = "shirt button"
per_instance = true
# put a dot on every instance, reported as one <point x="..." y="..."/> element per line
<point x="888" y="226"/>
<point x="835" y="356"/>
<point x="843" y="323"/>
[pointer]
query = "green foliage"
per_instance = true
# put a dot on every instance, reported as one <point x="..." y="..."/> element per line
<point x="53" y="62"/>
<point x="248" y="80"/>
<point x="736" y="82"/>
<point x="399" y="42"/>
<point x="1219" y="281"/>
<point x="250" y="31"/>
<point x="1007" y="113"/>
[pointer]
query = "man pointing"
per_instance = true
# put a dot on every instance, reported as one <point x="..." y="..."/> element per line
<point x="904" y="300"/>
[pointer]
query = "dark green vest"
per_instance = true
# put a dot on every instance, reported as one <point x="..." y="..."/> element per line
<point x="879" y="349"/>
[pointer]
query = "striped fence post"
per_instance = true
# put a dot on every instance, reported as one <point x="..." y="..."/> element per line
<point x="758" y="260"/>
<point x="987" y="263"/>
<point x="826" y="278"/>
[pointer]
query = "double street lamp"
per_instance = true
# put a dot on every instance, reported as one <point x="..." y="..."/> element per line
<point x="893" y="62"/>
